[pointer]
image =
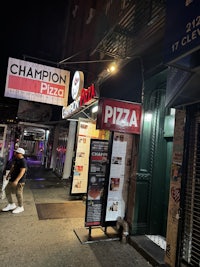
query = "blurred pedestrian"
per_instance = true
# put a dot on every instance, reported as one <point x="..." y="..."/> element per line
<point x="17" y="177"/>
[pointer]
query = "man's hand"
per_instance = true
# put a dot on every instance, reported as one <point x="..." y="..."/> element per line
<point x="14" y="183"/>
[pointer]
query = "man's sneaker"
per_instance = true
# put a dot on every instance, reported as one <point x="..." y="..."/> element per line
<point x="9" y="207"/>
<point x="18" y="210"/>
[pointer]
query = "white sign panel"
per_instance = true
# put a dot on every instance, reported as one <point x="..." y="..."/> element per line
<point x="115" y="201"/>
<point x="34" y="82"/>
<point x="86" y="131"/>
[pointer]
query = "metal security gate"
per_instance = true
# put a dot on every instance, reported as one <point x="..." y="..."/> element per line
<point x="190" y="237"/>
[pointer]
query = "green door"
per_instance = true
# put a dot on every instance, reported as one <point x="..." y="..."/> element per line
<point x="155" y="152"/>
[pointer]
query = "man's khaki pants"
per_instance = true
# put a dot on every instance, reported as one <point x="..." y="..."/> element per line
<point x="18" y="191"/>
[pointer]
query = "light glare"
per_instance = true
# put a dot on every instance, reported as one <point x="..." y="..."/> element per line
<point x="94" y="109"/>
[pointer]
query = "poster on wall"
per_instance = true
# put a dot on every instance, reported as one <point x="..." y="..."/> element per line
<point x="86" y="131"/>
<point x="175" y="189"/>
<point x="96" y="182"/>
<point x="115" y="201"/>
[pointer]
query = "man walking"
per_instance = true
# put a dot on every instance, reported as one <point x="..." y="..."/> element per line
<point x="16" y="176"/>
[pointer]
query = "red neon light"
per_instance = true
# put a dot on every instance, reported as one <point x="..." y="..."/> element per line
<point x="87" y="95"/>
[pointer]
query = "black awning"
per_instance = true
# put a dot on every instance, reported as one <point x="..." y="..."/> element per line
<point x="182" y="88"/>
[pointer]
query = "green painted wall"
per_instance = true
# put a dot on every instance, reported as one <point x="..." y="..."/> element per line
<point x="155" y="151"/>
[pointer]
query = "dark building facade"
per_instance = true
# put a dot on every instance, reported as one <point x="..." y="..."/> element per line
<point x="159" y="183"/>
<point x="141" y="37"/>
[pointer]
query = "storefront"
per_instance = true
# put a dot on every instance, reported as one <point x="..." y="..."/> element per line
<point x="103" y="154"/>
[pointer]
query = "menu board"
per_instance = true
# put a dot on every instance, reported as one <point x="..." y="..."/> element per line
<point x="86" y="131"/>
<point x="115" y="200"/>
<point x="96" y="182"/>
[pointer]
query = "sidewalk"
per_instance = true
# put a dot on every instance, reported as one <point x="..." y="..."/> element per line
<point x="29" y="241"/>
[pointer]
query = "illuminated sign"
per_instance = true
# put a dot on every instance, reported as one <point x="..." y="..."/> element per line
<point x="83" y="97"/>
<point x="30" y="81"/>
<point x="77" y="84"/>
<point x="121" y="116"/>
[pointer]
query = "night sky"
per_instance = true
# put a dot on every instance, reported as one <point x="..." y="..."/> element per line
<point x="35" y="29"/>
<point x="32" y="29"/>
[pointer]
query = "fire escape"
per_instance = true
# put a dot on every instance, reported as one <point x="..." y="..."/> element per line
<point x="123" y="31"/>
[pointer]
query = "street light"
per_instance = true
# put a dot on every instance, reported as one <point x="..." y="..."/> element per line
<point x="112" y="68"/>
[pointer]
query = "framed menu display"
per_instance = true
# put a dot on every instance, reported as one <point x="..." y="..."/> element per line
<point x="96" y="182"/>
<point x="85" y="132"/>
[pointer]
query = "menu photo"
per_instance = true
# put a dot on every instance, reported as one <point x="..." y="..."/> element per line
<point x="97" y="167"/>
<point x="114" y="184"/>
<point x="116" y="160"/>
<point x="113" y="209"/>
<point x="95" y="187"/>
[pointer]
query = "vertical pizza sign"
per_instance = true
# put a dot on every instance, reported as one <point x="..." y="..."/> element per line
<point x="96" y="182"/>
<point x="125" y="118"/>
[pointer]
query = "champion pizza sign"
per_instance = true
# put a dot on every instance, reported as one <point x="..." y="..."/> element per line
<point x="30" y="81"/>
<point x="121" y="116"/>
